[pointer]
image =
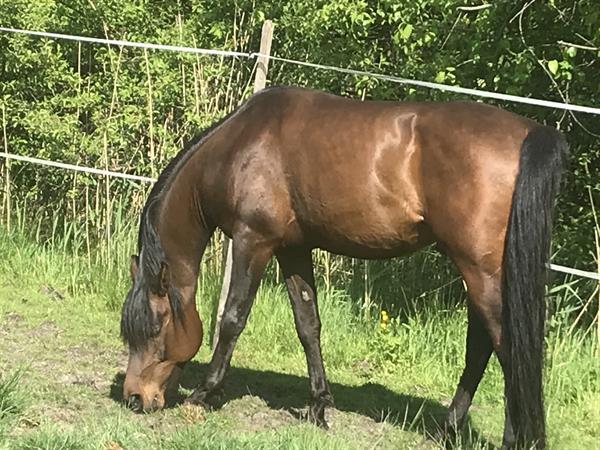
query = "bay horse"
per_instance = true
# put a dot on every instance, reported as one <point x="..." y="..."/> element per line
<point x="294" y="169"/>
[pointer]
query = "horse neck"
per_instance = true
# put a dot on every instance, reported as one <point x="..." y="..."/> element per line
<point x="182" y="234"/>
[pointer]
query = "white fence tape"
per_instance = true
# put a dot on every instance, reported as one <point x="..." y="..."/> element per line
<point x="45" y="162"/>
<point x="577" y="272"/>
<point x="445" y="87"/>
<point x="171" y="48"/>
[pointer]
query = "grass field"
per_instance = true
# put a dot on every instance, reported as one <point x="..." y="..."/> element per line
<point x="62" y="364"/>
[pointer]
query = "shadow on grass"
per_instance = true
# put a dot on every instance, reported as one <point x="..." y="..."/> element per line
<point x="290" y="393"/>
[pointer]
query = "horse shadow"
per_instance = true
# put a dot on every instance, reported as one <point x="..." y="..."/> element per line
<point x="288" y="392"/>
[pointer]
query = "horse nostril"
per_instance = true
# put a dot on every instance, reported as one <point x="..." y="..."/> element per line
<point x="134" y="402"/>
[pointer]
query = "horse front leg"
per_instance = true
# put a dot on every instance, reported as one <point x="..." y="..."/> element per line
<point x="250" y="257"/>
<point x="297" y="268"/>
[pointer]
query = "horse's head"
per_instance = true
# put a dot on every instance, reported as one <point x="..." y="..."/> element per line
<point x="163" y="331"/>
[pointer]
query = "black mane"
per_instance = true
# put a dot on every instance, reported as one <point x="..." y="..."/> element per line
<point x="138" y="324"/>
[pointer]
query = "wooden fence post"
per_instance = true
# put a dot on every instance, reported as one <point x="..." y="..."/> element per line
<point x="7" y="191"/>
<point x="260" y="80"/>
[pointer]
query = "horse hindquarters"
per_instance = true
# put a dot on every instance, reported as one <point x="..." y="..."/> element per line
<point x="507" y="299"/>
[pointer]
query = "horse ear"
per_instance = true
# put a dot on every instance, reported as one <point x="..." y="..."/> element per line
<point x="133" y="268"/>
<point x="164" y="278"/>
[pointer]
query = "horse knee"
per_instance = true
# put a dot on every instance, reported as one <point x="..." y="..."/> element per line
<point x="231" y="324"/>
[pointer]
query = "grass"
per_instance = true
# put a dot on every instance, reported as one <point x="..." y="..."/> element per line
<point x="11" y="401"/>
<point x="62" y="363"/>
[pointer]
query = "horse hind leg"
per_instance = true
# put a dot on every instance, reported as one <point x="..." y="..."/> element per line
<point x="483" y="337"/>
<point x="478" y="351"/>
<point x="250" y="257"/>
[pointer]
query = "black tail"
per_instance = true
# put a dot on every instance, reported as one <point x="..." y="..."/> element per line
<point x="526" y="252"/>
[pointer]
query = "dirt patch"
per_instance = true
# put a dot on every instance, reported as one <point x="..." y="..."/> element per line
<point x="10" y="321"/>
<point x="373" y="434"/>
<point x="253" y="414"/>
<point x="13" y="317"/>
<point x="45" y="329"/>
<point x="52" y="365"/>
<point x="57" y="413"/>
<point x="96" y="380"/>
<point x="23" y="345"/>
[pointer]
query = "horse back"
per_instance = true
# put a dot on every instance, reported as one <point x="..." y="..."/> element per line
<point x="368" y="179"/>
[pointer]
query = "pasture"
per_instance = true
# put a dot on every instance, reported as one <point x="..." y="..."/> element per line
<point x="393" y="334"/>
<point x="62" y="365"/>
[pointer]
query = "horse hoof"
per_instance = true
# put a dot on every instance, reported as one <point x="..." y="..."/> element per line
<point x="197" y="398"/>
<point x="209" y="400"/>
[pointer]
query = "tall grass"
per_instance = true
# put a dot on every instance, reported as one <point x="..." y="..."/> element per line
<point x="77" y="254"/>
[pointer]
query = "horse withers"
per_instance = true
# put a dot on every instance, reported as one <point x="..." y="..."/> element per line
<point x="294" y="169"/>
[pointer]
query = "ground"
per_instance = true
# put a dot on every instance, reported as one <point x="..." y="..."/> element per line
<point x="64" y="352"/>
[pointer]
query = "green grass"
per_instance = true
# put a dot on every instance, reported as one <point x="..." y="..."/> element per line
<point x="11" y="401"/>
<point x="62" y="363"/>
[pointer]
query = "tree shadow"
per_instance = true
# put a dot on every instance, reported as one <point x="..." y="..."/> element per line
<point x="290" y="393"/>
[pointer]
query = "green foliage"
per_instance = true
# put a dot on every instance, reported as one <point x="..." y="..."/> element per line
<point x="130" y="110"/>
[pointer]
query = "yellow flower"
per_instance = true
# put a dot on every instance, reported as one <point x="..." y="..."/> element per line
<point x="384" y="316"/>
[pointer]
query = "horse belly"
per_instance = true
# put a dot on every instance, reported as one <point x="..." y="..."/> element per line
<point x="370" y="202"/>
<point x="364" y="229"/>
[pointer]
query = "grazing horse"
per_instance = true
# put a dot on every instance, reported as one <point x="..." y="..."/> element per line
<point x="294" y="169"/>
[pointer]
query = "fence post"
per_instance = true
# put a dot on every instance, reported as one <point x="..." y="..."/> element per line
<point x="7" y="192"/>
<point x="260" y="80"/>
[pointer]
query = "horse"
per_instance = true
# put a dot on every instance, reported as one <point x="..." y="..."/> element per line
<point x="294" y="169"/>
